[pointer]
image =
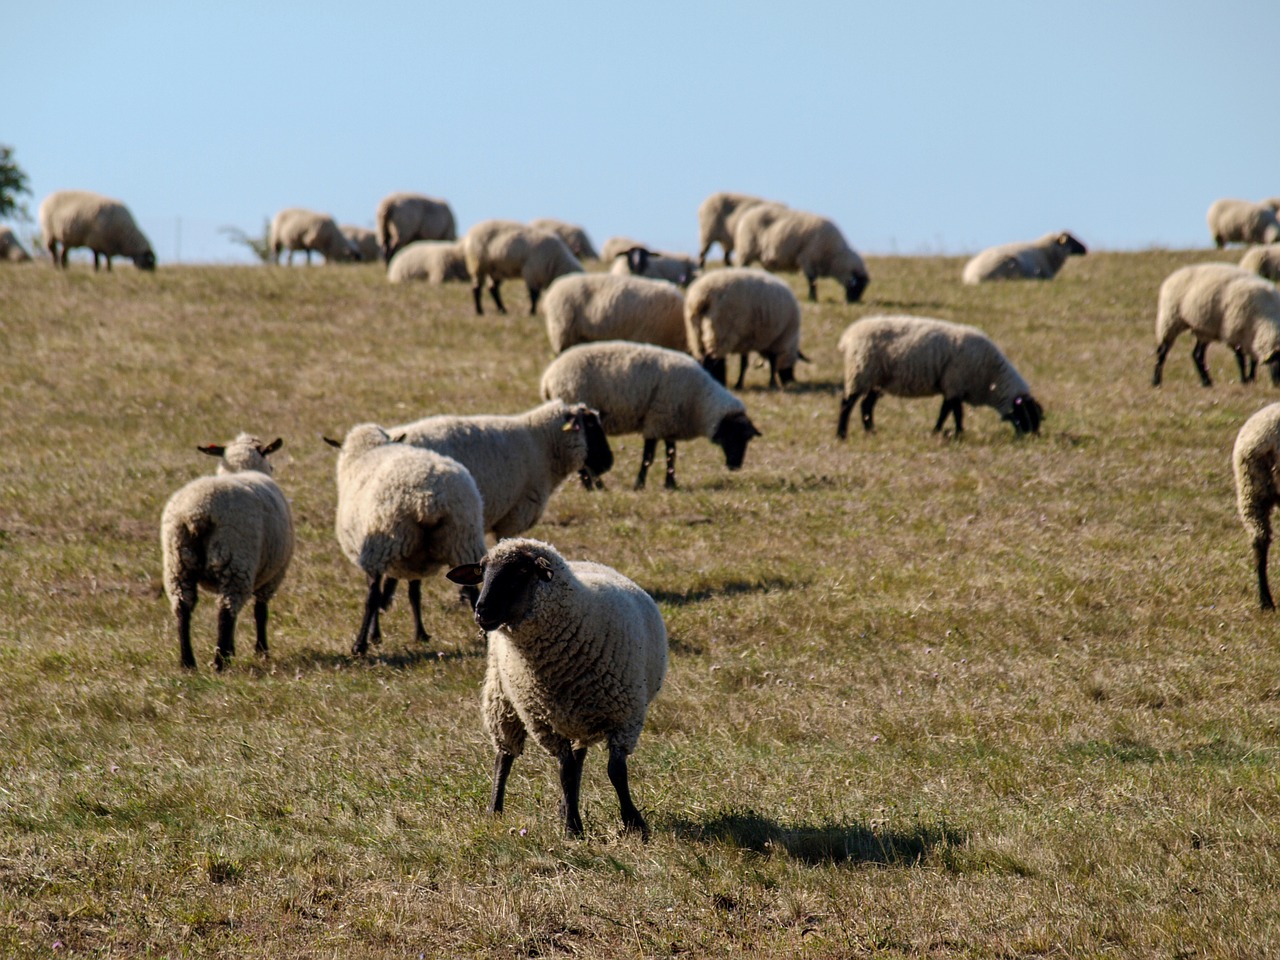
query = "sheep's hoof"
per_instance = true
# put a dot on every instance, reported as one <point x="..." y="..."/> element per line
<point x="422" y="636"/>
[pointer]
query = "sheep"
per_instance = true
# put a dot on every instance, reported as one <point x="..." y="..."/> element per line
<point x="640" y="261"/>
<point x="577" y="652"/>
<point x="717" y="220"/>
<point x="1218" y="301"/>
<point x="231" y="533"/>
<point x="599" y="306"/>
<point x="11" y="249"/>
<point x="782" y="239"/>
<point x="574" y="237"/>
<point x="921" y="357"/>
<point x="435" y="261"/>
<point x="661" y="394"/>
<point x="78" y="218"/>
<point x="405" y="217"/>
<point x="307" y="230"/>
<point x="500" y="250"/>
<point x="1242" y="221"/>
<point x="615" y="246"/>
<point x="364" y="241"/>
<point x="737" y="310"/>
<point x="1255" y="460"/>
<point x="402" y="512"/>
<point x="1033" y="260"/>
<point x="518" y="461"/>
<point x="1263" y="260"/>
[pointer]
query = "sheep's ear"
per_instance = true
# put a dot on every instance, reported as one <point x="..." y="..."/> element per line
<point x="331" y="442"/>
<point x="399" y="438"/>
<point x="542" y="566"/>
<point x="271" y="447"/>
<point x="469" y="574"/>
<point x="213" y="449"/>
<point x="572" y="421"/>
<point x="801" y="356"/>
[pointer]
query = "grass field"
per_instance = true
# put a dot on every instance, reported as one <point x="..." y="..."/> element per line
<point x="927" y="698"/>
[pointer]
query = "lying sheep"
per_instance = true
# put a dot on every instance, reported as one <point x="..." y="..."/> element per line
<point x="1034" y="260"/>
<point x="640" y="261"/>
<point x="584" y="307"/>
<point x="781" y="239"/>
<point x="499" y="250"/>
<point x="1256" y="462"/>
<point x="435" y="261"/>
<point x="364" y="242"/>
<point x="11" y="250"/>
<point x="574" y="237"/>
<point x="658" y="393"/>
<point x="402" y="513"/>
<point x="306" y="230"/>
<point x="577" y="652"/>
<point x="78" y="218"/>
<point x="615" y="246"/>
<point x="405" y="217"/>
<point x="737" y="310"/>
<point x="921" y="357"/>
<point x="717" y="220"/>
<point x="1218" y="301"/>
<point x="1242" y="221"/>
<point x="231" y="533"/>
<point x="1263" y="260"/>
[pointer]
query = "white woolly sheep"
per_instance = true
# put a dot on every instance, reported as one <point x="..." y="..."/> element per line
<point x="499" y="250"/>
<point x="405" y="217"/>
<point x="1219" y="301"/>
<point x="402" y="513"/>
<point x="718" y="219"/>
<point x="1263" y="260"/>
<point x="574" y="237"/>
<point x="922" y="357"/>
<point x="615" y="246"/>
<point x="738" y="310"/>
<point x="577" y="652"/>
<point x="1032" y="260"/>
<point x="1256" y="463"/>
<point x="78" y="218"/>
<point x="660" y="394"/>
<point x="231" y="533"/>
<point x="640" y="261"/>
<point x="518" y="461"/>
<point x="306" y="230"/>
<point x="435" y="261"/>
<point x="584" y="307"/>
<point x="781" y="239"/>
<point x="364" y="242"/>
<point x="1242" y="221"/>
<point x="11" y="249"/>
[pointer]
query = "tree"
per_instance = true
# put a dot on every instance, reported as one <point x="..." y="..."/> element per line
<point x="13" y="183"/>
<point x="260" y="246"/>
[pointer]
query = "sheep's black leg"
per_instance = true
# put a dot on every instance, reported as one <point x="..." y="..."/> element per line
<point x="497" y="297"/>
<point x="1162" y="352"/>
<point x="107" y="257"/>
<point x="813" y="288"/>
<point x="95" y="261"/>
<point x="942" y="415"/>
<point x="631" y="819"/>
<point x="1248" y="366"/>
<point x="717" y="367"/>
<point x="1274" y="369"/>
<point x="476" y="295"/>
<point x="671" y="464"/>
<point x="842" y="421"/>
<point x="646" y="461"/>
<point x="226" y="637"/>
<point x="260" y="626"/>
<point x="370" y="619"/>
<point x="415" y="604"/>
<point x="743" y="360"/>
<point x="869" y="409"/>
<point x="501" y="770"/>
<point x="1197" y="357"/>
<point x="571" y="788"/>
<point x="773" y="370"/>
<point x="957" y="408"/>
<point x="1260" y="548"/>
<point x="533" y="300"/>
<point x="184" y="635"/>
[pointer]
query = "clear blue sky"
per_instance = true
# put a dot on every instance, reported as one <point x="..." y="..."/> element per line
<point x="918" y="127"/>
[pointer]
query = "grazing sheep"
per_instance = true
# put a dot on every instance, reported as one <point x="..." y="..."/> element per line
<point x="737" y="310"/>
<point x="782" y="239"/>
<point x="1242" y="221"/>
<point x="435" y="261"/>
<point x="518" y="461"/>
<point x="405" y="217"/>
<point x="615" y="246"/>
<point x="574" y="237"/>
<point x="1263" y="260"/>
<point x="1034" y="260"/>
<point x="1218" y="301"/>
<point x="499" y="250"/>
<point x="718" y="219"/>
<point x="577" y="652"/>
<point x="78" y="218"/>
<point x="364" y="242"/>
<point x="307" y="230"/>
<point x="1256" y="462"/>
<point x="921" y="357"/>
<point x="655" y="265"/>
<point x="231" y="533"/>
<point x="584" y="307"/>
<point x="11" y="249"/>
<point x="402" y="512"/>
<point x="658" y="393"/>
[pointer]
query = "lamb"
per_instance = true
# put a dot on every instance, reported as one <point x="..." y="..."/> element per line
<point x="435" y="261"/>
<point x="1256" y="462"/>
<point x="782" y="239"/>
<point x="599" y="306"/>
<point x="921" y="357"/>
<point x="307" y="230"/>
<point x="717" y="220"/>
<point x="1242" y="221"/>
<point x="1218" y="301"/>
<point x="737" y="310"/>
<point x="405" y="217"/>
<point x="574" y="237"/>
<point x="640" y="261"/>
<point x="661" y="394"/>
<point x="499" y="250"/>
<point x="231" y="533"/>
<point x="1034" y="260"/>
<point x="364" y="242"/>
<point x="78" y="218"/>
<point x="1263" y="260"/>
<point x="402" y="512"/>
<point x="577" y="652"/>
<point x="11" y="249"/>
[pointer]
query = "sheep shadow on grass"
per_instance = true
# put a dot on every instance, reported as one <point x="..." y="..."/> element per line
<point x="397" y="657"/>
<point x="681" y="598"/>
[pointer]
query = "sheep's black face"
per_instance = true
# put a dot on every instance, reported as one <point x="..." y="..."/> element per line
<point x="786" y="375"/>
<point x="853" y="289"/>
<point x="717" y="367"/>
<point x="1026" y="414"/>
<point x="508" y="587"/>
<point x="638" y="260"/>
<point x="599" y="454"/>
<point x="1073" y="246"/>
<point x="733" y="435"/>
<point x="146" y="261"/>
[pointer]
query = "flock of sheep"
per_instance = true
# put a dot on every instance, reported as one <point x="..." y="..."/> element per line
<point x="576" y="652"/>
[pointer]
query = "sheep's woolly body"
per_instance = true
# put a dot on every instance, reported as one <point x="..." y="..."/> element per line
<point x="1256" y="463"/>
<point x="574" y="237"/>
<point x="660" y="265"/>
<point x="498" y="250"/>
<point x="11" y="250"/>
<point x="296" y="229"/>
<point x="599" y="306"/>
<point x="435" y="261"/>
<point x="1242" y="221"/>
<point x="1263" y="260"/>
<point x="405" y="217"/>
<point x="1032" y="260"/>
<point x="364" y="241"/>
<point x="78" y="218"/>
<point x="781" y="239"/>
<point x="738" y="310"/>
<point x="718" y="219"/>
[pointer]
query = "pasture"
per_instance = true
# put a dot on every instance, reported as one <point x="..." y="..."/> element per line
<point x="926" y="698"/>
